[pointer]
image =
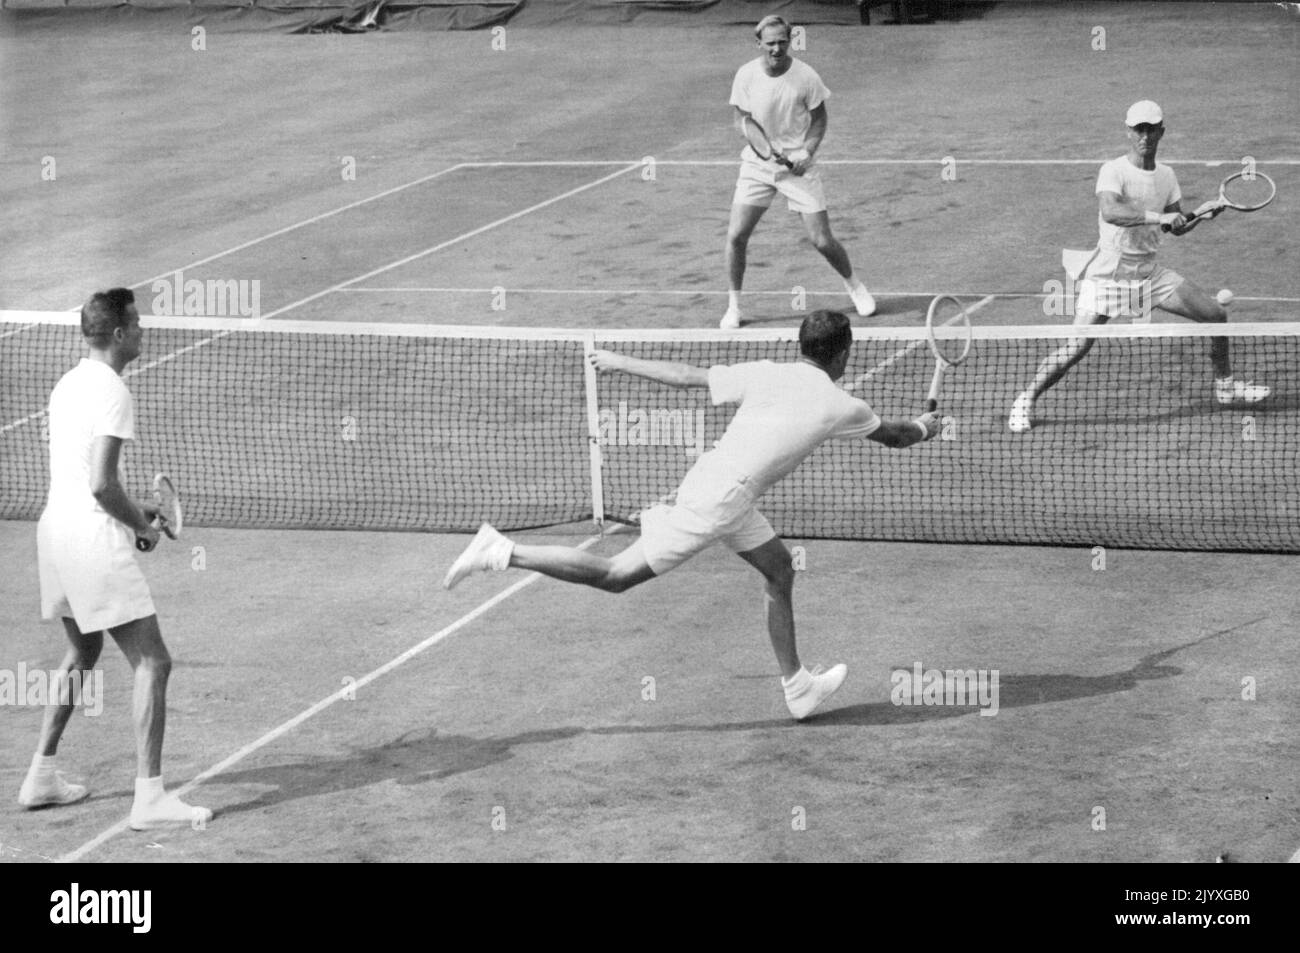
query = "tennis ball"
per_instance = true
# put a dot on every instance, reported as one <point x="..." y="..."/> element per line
<point x="1224" y="296"/>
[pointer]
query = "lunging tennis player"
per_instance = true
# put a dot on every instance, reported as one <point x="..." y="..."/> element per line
<point x="786" y="411"/>
<point x="1137" y="196"/>
<point x="86" y="548"/>
<point x="788" y="99"/>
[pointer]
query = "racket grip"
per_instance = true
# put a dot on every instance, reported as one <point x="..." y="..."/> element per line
<point x="142" y="544"/>
<point x="932" y="398"/>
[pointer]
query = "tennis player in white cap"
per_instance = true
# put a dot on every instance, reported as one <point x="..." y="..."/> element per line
<point x="786" y="411"/>
<point x="1121" y="279"/>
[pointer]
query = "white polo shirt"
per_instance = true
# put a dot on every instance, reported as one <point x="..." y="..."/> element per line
<point x="1150" y="191"/>
<point x="786" y="411"/>
<point x="89" y="401"/>
<point x="782" y="104"/>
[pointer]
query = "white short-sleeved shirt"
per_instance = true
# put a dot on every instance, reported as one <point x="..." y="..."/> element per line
<point x="786" y="411"/>
<point x="89" y="401"/>
<point x="782" y="104"/>
<point x="1151" y="191"/>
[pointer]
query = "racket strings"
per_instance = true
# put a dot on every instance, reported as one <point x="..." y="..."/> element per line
<point x="1249" y="192"/>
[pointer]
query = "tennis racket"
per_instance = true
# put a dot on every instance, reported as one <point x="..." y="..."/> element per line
<point x="1243" y="191"/>
<point x="756" y="136"/>
<point x="947" y="325"/>
<point x="170" y="518"/>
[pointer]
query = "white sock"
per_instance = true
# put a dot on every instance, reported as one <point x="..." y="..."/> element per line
<point x="499" y="558"/>
<point x="733" y="300"/>
<point x="852" y="284"/>
<point x="797" y="683"/>
<point x="148" y="790"/>
<point x="42" y="766"/>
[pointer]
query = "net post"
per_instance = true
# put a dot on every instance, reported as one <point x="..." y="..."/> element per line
<point x="593" y="431"/>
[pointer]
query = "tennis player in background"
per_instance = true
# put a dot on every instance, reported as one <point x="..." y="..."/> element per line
<point x="788" y="99"/>
<point x="86" y="548"/>
<point x="1137" y="197"/>
<point x="785" y="412"/>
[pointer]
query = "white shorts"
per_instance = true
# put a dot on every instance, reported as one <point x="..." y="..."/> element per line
<point x="758" y="183"/>
<point x="702" y="516"/>
<point x="89" y="572"/>
<point x="1127" y="288"/>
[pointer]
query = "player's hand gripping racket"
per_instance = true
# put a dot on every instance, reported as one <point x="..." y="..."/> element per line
<point x="1243" y="191"/>
<point x="170" y="519"/>
<point x="756" y="136"/>
<point x="947" y="324"/>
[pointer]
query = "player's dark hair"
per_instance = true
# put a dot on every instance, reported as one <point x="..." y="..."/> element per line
<point x="104" y="313"/>
<point x="823" y="335"/>
<point x="772" y="20"/>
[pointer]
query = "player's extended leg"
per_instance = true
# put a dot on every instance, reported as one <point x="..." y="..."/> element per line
<point x="1050" y="371"/>
<point x="617" y="574"/>
<point x="818" y="226"/>
<point x="804" y="691"/>
<point x="744" y="219"/>
<point x="1189" y="301"/>
<point x="141" y="642"/>
<point x="43" y="784"/>
<point x="489" y="550"/>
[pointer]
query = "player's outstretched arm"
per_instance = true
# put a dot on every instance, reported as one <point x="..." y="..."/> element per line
<point x="1117" y="210"/>
<point x="665" y="372"/>
<point x="898" y="434"/>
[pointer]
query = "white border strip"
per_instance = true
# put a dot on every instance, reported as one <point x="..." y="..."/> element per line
<point x="578" y="336"/>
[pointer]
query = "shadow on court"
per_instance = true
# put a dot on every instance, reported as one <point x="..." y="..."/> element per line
<point x="421" y="756"/>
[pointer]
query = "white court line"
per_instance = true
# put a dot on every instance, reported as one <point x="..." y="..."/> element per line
<point x="904" y="351"/>
<point x="459" y="238"/>
<point x="14" y="424"/>
<point x="686" y="292"/>
<point x="320" y="706"/>
<point x="303" y="224"/>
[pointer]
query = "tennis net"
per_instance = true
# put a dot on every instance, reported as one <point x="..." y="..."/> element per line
<point x="411" y="427"/>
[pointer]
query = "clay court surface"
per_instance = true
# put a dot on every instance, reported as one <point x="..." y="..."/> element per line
<point x="581" y="176"/>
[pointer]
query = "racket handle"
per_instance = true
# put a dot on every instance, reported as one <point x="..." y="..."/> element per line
<point x="932" y="398"/>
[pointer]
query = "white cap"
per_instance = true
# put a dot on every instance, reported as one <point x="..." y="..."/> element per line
<point x="1144" y="112"/>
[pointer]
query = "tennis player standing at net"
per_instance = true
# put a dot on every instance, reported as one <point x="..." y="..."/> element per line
<point x="786" y="411"/>
<point x="788" y="99"/>
<point x="1137" y="197"/>
<point x="86" y="548"/>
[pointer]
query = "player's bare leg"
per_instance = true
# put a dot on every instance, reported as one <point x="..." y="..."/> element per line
<point x="141" y="642"/>
<point x="818" y="226"/>
<point x="1189" y="301"/>
<point x="1050" y="371"/>
<point x="44" y="785"/>
<point x="744" y="219"/>
<point x="804" y="691"/>
<point x="617" y="574"/>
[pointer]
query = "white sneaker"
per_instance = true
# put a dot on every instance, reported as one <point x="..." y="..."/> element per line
<point x="731" y="320"/>
<point x="1024" y="406"/>
<point x="166" y="811"/>
<point x="821" y="687"/>
<point x="52" y="790"/>
<point x="1232" y="391"/>
<point x="862" y="301"/>
<point x="487" y="550"/>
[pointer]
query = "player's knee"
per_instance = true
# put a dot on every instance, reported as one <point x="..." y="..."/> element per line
<point x="737" y="240"/>
<point x="825" y="244"/>
<point x="780" y="577"/>
<point x="85" y="659"/>
<point x="158" y="664"/>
